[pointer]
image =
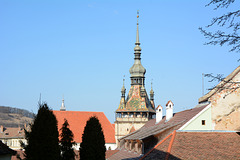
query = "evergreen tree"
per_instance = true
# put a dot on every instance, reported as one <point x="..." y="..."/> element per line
<point x="66" y="142"/>
<point x="93" y="141"/>
<point x="42" y="139"/>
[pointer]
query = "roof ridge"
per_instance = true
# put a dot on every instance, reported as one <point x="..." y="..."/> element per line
<point x="158" y="145"/>
<point x="170" y="144"/>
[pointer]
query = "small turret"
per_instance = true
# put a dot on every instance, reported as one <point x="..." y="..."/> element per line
<point x="123" y="90"/>
<point x="151" y="93"/>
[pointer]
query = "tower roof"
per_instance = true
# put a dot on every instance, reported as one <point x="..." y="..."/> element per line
<point x="137" y="70"/>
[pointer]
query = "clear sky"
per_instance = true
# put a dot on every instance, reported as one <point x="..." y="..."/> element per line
<point x="82" y="49"/>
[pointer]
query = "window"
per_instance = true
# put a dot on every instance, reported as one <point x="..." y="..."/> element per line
<point x="203" y="122"/>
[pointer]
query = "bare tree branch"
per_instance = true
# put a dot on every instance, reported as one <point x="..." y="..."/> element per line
<point x="230" y="22"/>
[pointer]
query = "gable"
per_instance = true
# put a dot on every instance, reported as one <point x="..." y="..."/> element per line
<point x="201" y="121"/>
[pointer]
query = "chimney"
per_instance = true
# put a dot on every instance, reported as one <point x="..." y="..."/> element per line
<point x="159" y="113"/>
<point x="1" y="129"/>
<point x="169" y="110"/>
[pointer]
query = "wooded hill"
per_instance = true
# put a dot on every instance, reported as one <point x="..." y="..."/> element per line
<point x="14" y="117"/>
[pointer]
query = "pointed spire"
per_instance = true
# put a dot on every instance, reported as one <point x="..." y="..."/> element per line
<point x="137" y="37"/>
<point x="151" y="93"/>
<point x="123" y="91"/>
<point x="63" y="108"/>
<point x="137" y="71"/>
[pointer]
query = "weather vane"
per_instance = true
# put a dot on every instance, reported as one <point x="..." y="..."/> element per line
<point x="137" y="15"/>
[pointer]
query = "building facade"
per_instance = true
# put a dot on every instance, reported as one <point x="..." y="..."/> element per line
<point x="225" y="103"/>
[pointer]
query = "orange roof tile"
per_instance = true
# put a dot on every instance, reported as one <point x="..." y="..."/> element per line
<point x="197" y="145"/>
<point x="77" y="121"/>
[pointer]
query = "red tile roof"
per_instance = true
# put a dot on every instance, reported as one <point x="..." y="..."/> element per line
<point x="77" y="121"/>
<point x="109" y="153"/>
<point x="12" y="133"/>
<point x="124" y="154"/>
<point x="197" y="145"/>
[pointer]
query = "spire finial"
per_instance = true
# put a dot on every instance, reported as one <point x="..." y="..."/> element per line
<point x="137" y="38"/>
<point x="137" y="16"/>
<point x="151" y="83"/>
<point x="123" y="79"/>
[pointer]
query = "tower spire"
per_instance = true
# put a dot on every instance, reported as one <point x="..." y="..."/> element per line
<point x="63" y="108"/>
<point x="123" y="90"/>
<point x="137" y="36"/>
<point x="151" y="93"/>
<point x="137" y="71"/>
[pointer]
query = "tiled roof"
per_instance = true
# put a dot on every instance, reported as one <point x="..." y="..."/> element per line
<point x="12" y="133"/>
<point x="197" y="145"/>
<point x="124" y="154"/>
<point x="20" y="153"/>
<point x="77" y="121"/>
<point x="109" y="153"/>
<point x="4" y="149"/>
<point x="151" y="128"/>
<point x="135" y="102"/>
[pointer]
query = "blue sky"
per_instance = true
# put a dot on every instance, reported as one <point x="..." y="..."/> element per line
<point x="82" y="49"/>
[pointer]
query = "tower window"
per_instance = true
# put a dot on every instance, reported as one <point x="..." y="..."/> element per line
<point x="203" y="122"/>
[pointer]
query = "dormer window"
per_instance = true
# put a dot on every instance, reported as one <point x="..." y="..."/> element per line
<point x="170" y="105"/>
<point x="159" y="110"/>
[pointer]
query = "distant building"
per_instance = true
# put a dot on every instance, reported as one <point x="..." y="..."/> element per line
<point x="77" y="121"/>
<point x="225" y="102"/>
<point x="12" y="136"/>
<point x="137" y="109"/>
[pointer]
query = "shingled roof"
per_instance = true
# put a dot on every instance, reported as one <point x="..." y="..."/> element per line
<point x="77" y="121"/>
<point x="12" y="132"/>
<point x="151" y="128"/>
<point x="197" y="145"/>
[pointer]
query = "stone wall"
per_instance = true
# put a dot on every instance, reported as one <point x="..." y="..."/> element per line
<point x="226" y="106"/>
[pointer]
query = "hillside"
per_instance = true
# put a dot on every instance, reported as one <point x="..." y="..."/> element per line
<point x="14" y="117"/>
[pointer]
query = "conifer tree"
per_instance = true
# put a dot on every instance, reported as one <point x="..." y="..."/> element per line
<point x="66" y="142"/>
<point x="93" y="141"/>
<point x="42" y="138"/>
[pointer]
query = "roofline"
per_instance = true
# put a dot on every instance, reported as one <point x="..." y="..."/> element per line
<point x="78" y="111"/>
<point x="222" y="83"/>
<point x="217" y="131"/>
<point x="197" y="115"/>
<point x="136" y="111"/>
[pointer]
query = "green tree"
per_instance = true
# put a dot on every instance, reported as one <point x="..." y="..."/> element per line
<point x="42" y="138"/>
<point x="93" y="141"/>
<point x="229" y="24"/>
<point x="66" y="142"/>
